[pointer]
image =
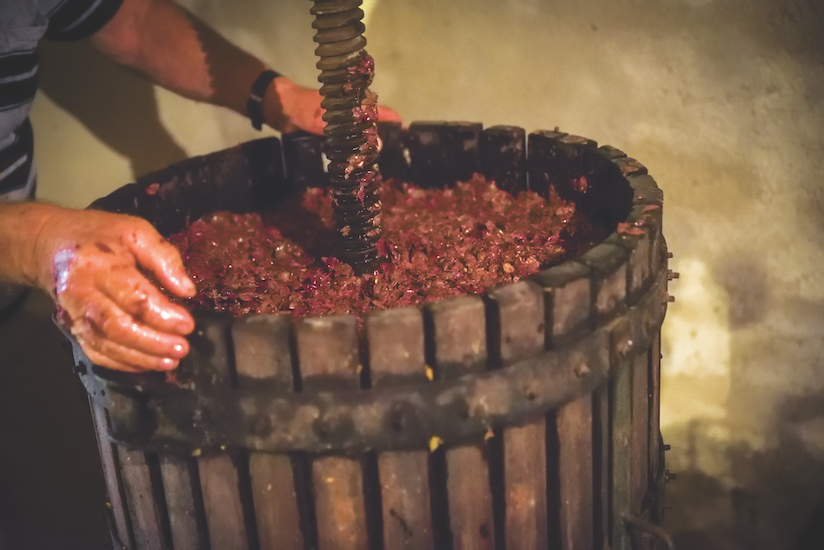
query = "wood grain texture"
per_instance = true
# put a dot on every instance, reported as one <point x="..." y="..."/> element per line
<point x="640" y="430"/>
<point x="179" y="479"/>
<point x="328" y="356"/>
<point x="219" y="476"/>
<point x="521" y="328"/>
<point x="110" y="463"/>
<point x="396" y="357"/>
<point x="575" y="469"/>
<point x="655" y="405"/>
<point x="262" y="352"/>
<point x="143" y="508"/>
<point x="459" y="334"/>
<point x="621" y="442"/>
<point x="602" y="457"/>
<point x="219" y="482"/>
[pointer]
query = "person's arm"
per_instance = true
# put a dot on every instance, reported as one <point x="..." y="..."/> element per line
<point x="181" y="53"/>
<point x="93" y="265"/>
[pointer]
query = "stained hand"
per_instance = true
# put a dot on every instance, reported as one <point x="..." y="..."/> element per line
<point x="94" y="262"/>
<point x="294" y="107"/>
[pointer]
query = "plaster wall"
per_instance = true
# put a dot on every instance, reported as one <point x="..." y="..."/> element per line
<point x="723" y="101"/>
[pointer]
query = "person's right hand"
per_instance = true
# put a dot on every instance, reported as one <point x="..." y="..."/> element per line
<point x="290" y="107"/>
<point x="95" y="264"/>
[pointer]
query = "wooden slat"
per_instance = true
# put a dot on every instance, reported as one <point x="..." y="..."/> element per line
<point x="459" y="326"/>
<point x="640" y="430"/>
<point x="219" y="482"/>
<point x="655" y="405"/>
<point x="621" y="452"/>
<point x="396" y="357"/>
<point x="108" y="458"/>
<point x="327" y="350"/>
<point x="261" y="344"/>
<point x="525" y="485"/>
<point x="143" y="509"/>
<point x="179" y="479"/>
<point x="572" y="301"/>
<point x="219" y="477"/>
<point x="521" y="317"/>
<point x="602" y="462"/>
<point x="574" y="424"/>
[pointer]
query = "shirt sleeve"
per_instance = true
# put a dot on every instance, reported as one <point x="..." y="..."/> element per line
<point x="76" y="19"/>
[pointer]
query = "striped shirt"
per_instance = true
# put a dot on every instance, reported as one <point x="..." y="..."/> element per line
<point x="22" y="24"/>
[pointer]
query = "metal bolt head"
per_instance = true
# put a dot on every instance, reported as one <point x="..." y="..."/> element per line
<point x="582" y="369"/>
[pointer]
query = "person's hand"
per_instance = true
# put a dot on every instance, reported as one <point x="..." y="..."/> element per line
<point x="94" y="263"/>
<point x="294" y="107"/>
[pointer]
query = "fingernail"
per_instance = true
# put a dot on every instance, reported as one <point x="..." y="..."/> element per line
<point x="179" y="350"/>
<point x="186" y="284"/>
<point x="168" y="363"/>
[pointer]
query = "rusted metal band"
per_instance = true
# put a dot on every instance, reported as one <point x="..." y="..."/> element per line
<point x="200" y="419"/>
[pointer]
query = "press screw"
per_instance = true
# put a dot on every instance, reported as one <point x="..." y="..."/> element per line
<point x="669" y="476"/>
<point x="672" y="274"/>
<point x="669" y="255"/>
<point x="670" y="298"/>
<point x="667" y="447"/>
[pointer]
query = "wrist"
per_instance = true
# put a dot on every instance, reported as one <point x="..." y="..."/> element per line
<point x="255" y="104"/>
<point x="30" y="251"/>
<point x="49" y="224"/>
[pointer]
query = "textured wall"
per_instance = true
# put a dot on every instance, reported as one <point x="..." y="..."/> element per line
<point x="721" y="99"/>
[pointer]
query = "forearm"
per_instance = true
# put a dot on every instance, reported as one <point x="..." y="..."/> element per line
<point x="179" y="52"/>
<point x="21" y="246"/>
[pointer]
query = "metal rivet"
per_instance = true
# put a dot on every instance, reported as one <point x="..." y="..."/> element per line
<point x="672" y="274"/>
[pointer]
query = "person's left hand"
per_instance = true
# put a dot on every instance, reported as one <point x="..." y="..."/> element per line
<point x="294" y="107"/>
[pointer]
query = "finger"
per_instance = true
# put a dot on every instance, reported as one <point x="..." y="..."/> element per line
<point x="109" y="323"/>
<point x="107" y="354"/>
<point x="160" y="257"/>
<point x="385" y="114"/>
<point x="134" y="294"/>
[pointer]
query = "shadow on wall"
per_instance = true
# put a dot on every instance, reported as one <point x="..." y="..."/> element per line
<point x="753" y="478"/>
<point x="117" y="106"/>
<point x="776" y="501"/>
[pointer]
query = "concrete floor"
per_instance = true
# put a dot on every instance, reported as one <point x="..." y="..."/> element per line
<point x="52" y="494"/>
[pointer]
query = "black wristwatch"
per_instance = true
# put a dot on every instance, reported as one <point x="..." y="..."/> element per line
<point x="254" y="106"/>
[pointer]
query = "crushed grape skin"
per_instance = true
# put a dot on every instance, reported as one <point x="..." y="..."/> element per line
<point x="436" y="244"/>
